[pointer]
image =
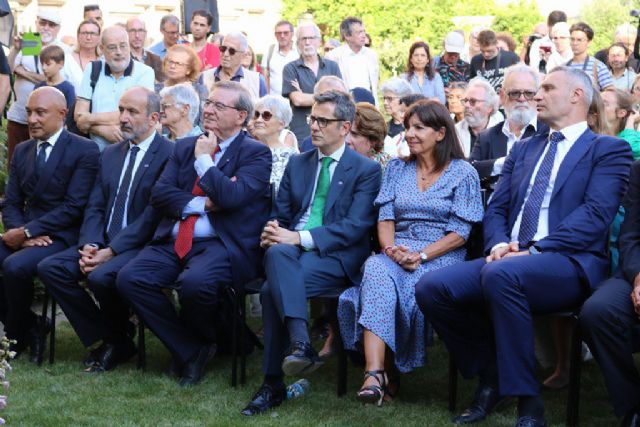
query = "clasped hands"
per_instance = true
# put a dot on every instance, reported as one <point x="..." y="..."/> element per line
<point x="16" y="239"/>
<point x="273" y="234"/>
<point x="402" y="256"/>
<point x="91" y="257"/>
<point x="511" y="250"/>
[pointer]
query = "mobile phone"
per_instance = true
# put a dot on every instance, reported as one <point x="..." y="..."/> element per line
<point x="546" y="49"/>
<point x="31" y="44"/>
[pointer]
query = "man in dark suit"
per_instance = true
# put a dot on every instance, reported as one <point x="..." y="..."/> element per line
<point x="609" y="315"/>
<point x="118" y="221"/>
<point x="545" y="233"/>
<point x="489" y="153"/>
<point x="316" y="244"/>
<point x="214" y="199"/>
<point x="49" y="184"/>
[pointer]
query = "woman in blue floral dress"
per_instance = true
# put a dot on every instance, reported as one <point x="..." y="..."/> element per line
<point x="428" y="203"/>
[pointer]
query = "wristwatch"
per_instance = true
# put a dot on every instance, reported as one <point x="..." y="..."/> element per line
<point x="423" y="257"/>
<point x="27" y="233"/>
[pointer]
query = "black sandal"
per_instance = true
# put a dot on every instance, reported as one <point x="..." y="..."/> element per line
<point x="373" y="393"/>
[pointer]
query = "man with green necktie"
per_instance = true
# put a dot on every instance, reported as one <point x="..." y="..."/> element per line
<point x="315" y="244"/>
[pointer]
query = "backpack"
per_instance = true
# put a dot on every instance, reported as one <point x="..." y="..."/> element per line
<point x="72" y="126"/>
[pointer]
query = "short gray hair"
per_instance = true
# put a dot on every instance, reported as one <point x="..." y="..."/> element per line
<point x="244" y="44"/>
<point x="579" y="79"/>
<point x="334" y="82"/>
<point x="316" y="29"/>
<point x="184" y="94"/>
<point x="522" y="69"/>
<point x="278" y="106"/>
<point x="169" y="19"/>
<point x="398" y="86"/>
<point x="492" y="97"/>
<point x="244" y="101"/>
<point x="345" y="109"/>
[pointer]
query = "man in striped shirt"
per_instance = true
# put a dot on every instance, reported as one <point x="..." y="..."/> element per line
<point x="581" y="37"/>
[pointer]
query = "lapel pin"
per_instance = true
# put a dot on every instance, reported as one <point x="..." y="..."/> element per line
<point x="339" y="182"/>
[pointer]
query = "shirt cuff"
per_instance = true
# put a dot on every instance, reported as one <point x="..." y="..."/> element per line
<point x="202" y="164"/>
<point x="497" y="166"/>
<point x="194" y="207"/>
<point x="306" y="241"/>
<point x="498" y="246"/>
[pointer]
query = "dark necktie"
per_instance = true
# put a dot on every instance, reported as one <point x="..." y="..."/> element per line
<point x="531" y="210"/>
<point x="320" y="198"/>
<point x="41" y="158"/>
<point x="121" y="198"/>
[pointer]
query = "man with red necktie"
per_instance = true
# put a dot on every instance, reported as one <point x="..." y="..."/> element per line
<point x="214" y="197"/>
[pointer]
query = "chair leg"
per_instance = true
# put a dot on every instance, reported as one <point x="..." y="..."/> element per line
<point x="142" y="351"/>
<point x="342" y="364"/>
<point x="242" y="325"/>
<point x="453" y="384"/>
<point x="52" y="336"/>
<point x="42" y="326"/>
<point x="575" y="369"/>
<point x="234" y="336"/>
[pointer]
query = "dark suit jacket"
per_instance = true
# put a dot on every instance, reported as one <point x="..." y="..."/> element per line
<point x="349" y="212"/>
<point x="629" y="239"/>
<point x="53" y="204"/>
<point x="244" y="205"/>
<point x="142" y="219"/>
<point x="492" y="144"/>
<point x="586" y="195"/>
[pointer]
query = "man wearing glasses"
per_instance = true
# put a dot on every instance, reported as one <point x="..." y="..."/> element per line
<point x="232" y="47"/>
<point x="315" y="244"/>
<point x="214" y="199"/>
<point x="278" y="56"/>
<point x="301" y="76"/>
<point x="480" y="112"/>
<point x="170" y="29"/>
<point x="96" y="110"/>
<point x="137" y="31"/>
<point x="521" y="83"/>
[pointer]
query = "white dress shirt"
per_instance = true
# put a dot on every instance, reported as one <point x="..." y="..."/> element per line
<point x="144" y="147"/>
<point x="51" y="140"/>
<point x="203" y="228"/>
<point x="511" y="139"/>
<point x="306" y="240"/>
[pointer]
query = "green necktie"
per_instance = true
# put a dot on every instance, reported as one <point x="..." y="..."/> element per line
<point x="320" y="198"/>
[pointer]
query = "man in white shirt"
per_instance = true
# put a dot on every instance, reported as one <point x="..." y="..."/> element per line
<point x="278" y="56"/>
<point x="358" y="64"/>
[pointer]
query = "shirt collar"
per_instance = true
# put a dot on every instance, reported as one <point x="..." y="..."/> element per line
<point x="52" y="139"/>
<point x="227" y="142"/>
<point x="533" y="123"/>
<point x="144" y="145"/>
<point x="336" y="155"/>
<point x="573" y="132"/>
<point x="239" y="72"/>
<point x="127" y="71"/>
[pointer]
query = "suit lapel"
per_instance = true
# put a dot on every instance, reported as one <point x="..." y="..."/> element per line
<point x="144" y="165"/>
<point x="231" y="151"/>
<point x="339" y="177"/>
<point x="57" y="153"/>
<point x="114" y="177"/>
<point x="530" y="160"/>
<point x="309" y="172"/>
<point x="576" y="152"/>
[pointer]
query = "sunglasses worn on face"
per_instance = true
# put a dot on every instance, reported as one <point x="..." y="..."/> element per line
<point x="266" y="115"/>
<point x="514" y="95"/>
<point x="472" y="101"/>
<point x="231" y="50"/>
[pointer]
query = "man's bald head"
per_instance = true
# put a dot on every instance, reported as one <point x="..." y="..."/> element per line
<point x="46" y="112"/>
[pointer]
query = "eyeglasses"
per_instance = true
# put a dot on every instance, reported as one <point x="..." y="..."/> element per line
<point x="218" y="105"/>
<point x="266" y="115"/>
<point x="515" y="95"/>
<point x="88" y="33"/>
<point x="113" y="48"/>
<point x="137" y="31"/>
<point x="45" y="23"/>
<point x="322" y="121"/>
<point x="389" y="98"/>
<point x="167" y="105"/>
<point x="171" y="63"/>
<point x="232" y="51"/>
<point x="472" y="101"/>
<point x="559" y="37"/>
<point x="282" y="33"/>
<point x="307" y="39"/>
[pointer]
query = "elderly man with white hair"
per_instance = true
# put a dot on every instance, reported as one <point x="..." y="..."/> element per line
<point x="232" y="48"/>
<point x="480" y="112"/>
<point x="179" y="111"/>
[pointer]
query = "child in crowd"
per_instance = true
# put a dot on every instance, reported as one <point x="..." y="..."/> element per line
<point x="52" y="59"/>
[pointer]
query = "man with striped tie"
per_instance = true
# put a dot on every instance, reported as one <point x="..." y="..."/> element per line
<point x="214" y="199"/>
<point x="545" y="234"/>
<point x="118" y="222"/>
<point x="316" y="243"/>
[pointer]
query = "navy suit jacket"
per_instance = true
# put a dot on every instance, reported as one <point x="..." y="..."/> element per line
<point x="492" y="144"/>
<point x="53" y="204"/>
<point x="142" y="219"/>
<point x="590" y="183"/>
<point x="349" y="213"/>
<point x="244" y="205"/>
<point x="629" y="240"/>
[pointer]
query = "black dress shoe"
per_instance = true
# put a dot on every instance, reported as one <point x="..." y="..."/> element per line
<point x="632" y="419"/>
<point x="302" y="358"/>
<point x="529" y="421"/>
<point x="484" y="402"/>
<point x="266" y="397"/>
<point x="37" y="337"/>
<point x="92" y="357"/>
<point x="193" y="370"/>
<point x="110" y="356"/>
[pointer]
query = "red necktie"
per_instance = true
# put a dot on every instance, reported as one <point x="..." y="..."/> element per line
<point x="184" y="239"/>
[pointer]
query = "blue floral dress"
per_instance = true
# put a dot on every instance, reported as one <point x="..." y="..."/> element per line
<point x="385" y="302"/>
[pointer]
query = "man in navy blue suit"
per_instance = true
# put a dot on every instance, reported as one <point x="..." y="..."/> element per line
<point x="214" y="199"/>
<point x="118" y="222"/>
<point x="49" y="184"/>
<point x="545" y="233"/>
<point x="317" y="242"/>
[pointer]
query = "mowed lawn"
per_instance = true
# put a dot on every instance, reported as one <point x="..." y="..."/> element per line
<point x="63" y="395"/>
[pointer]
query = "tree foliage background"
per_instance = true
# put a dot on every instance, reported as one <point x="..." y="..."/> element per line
<point x="395" y="24"/>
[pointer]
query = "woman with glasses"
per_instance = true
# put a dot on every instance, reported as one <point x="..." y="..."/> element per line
<point x="86" y="50"/>
<point x="179" y="108"/>
<point x="427" y="203"/>
<point x="420" y="74"/>
<point x="182" y="65"/>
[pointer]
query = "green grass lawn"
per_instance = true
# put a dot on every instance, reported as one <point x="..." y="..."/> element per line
<point x="63" y="395"/>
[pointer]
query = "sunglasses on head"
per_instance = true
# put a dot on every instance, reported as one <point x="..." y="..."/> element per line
<point x="266" y="115"/>
<point x="231" y="50"/>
